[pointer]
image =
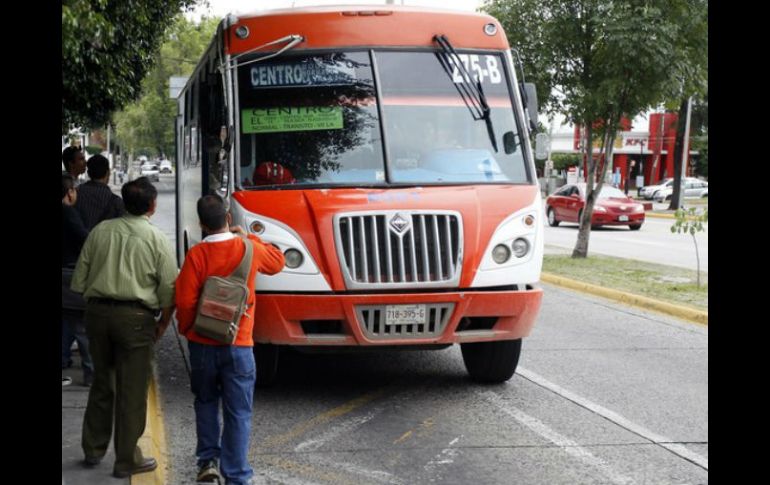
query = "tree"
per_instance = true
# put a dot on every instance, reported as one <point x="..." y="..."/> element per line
<point x="107" y="48"/>
<point x="691" y="222"/>
<point x="606" y="60"/>
<point x="147" y="125"/>
<point x="689" y="69"/>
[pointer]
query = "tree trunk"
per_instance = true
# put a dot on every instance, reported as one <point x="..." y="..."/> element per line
<point x="678" y="147"/>
<point x="581" y="246"/>
<point x="697" y="258"/>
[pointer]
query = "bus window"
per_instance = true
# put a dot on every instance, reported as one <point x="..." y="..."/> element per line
<point x="431" y="135"/>
<point x="315" y="116"/>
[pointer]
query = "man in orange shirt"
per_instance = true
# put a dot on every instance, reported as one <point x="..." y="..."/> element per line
<point x="221" y="372"/>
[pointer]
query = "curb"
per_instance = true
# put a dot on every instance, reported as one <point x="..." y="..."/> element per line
<point x="153" y="441"/>
<point x="661" y="216"/>
<point x="686" y="313"/>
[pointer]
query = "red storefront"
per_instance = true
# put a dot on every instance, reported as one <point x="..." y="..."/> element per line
<point x="649" y="154"/>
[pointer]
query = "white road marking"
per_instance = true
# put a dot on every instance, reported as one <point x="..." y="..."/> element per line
<point x="373" y="475"/>
<point x="259" y="478"/>
<point x="445" y="457"/>
<point x="345" y="426"/>
<point x="568" y="445"/>
<point x="677" y="449"/>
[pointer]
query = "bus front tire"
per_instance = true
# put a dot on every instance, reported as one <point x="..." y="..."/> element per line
<point x="491" y="362"/>
<point x="266" y="358"/>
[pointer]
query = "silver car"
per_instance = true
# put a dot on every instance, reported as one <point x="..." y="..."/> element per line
<point x="151" y="171"/>
<point x="693" y="189"/>
<point x="649" y="191"/>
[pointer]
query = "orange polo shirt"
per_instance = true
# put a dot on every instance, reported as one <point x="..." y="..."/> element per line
<point x="220" y="258"/>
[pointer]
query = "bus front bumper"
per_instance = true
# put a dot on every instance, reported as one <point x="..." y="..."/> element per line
<point x="368" y="319"/>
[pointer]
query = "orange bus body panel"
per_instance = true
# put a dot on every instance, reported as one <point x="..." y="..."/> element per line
<point x="311" y="212"/>
<point x="331" y="27"/>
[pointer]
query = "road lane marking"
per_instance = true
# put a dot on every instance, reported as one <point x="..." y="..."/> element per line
<point x="378" y="476"/>
<point x="309" y="471"/>
<point x="345" y="426"/>
<point x="669" y="444"/>
<point x="323" y="418"/>
<point x="569" y="446"/>
<point x="447" y="456"/>
<point x="418" y="431"/>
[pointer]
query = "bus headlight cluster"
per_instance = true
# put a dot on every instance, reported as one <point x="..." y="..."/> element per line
<point x="293" y="258"/>
<point x="501" y="253"/>
<point x="520" y="247"/>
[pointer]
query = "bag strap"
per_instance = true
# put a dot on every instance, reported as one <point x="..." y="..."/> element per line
<point x="241" y="273"/>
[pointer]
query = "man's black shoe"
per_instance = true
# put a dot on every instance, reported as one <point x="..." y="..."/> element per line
<point x="91" y="461"/>
<point x="208" y="472"/>
<point x="147" y="465"/>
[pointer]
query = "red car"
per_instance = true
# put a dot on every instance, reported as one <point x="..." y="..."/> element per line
<point x="612" y="208"/>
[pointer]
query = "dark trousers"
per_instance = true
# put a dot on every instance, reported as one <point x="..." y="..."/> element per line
<point x="121" y="343"/>
<point x="73" y="329"/>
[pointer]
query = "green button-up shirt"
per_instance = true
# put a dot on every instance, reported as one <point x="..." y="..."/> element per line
<point x="127" y="259"/>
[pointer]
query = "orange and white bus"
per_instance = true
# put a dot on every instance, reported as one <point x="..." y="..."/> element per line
<point x="385" y="150"/>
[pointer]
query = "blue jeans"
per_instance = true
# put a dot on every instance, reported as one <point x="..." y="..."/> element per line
<point x="225" y="373"/>
<point x="74" y="329"/>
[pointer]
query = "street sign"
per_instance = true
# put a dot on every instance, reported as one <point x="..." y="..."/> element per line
<point x="542" y="146"/>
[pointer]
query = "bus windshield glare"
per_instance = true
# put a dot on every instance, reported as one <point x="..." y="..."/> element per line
<point x="314" y="119"/>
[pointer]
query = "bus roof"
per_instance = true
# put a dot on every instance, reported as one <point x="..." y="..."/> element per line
<point x="344" y="26"/>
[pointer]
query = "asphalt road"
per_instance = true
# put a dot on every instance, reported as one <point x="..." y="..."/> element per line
<point x="654" y="242"/>
<point x="604" y="394"/>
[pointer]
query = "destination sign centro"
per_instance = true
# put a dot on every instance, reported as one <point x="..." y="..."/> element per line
<point x="301" y="74"/>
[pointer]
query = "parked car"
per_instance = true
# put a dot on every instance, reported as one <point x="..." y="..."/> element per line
<point x="693" y="189"/>
<point x="649" y="191"/>
<point x="165" y="166"/>
<point x="612" y="207"/>
<point x="151" y="171"/>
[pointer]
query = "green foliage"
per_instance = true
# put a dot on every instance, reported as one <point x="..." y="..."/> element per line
<point x="597" y="61"/>
<point x="690" y="221"/>
<point x="94" y="149"/>
<point x="561" y="161"/>
<point x="147" y="125"/>
<point x="108" y="46"/>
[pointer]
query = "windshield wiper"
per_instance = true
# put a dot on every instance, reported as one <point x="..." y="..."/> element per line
<point x="472" y="94"/>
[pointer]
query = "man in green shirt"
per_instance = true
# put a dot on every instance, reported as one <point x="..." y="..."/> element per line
<point x="126" y="272"/>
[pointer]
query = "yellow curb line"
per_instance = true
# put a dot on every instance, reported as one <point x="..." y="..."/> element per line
<point x="153" y="441"/>
<point x="695" y="316"/>
<point x="660" y="216"/>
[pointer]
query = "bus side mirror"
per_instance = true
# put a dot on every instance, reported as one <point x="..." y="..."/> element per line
<point x="509" y="142"/>
<point x="531" y="104"/>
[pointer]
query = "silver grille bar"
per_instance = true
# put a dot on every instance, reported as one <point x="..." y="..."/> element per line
<point x="399" y="249"/>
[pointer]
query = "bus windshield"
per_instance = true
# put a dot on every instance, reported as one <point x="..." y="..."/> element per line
<point x="431" y="134"/>
<point x="313" y="119"/>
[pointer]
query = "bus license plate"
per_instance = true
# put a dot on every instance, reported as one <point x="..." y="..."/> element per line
<point x="405" y="314"/>
<point x="623" y="218"/>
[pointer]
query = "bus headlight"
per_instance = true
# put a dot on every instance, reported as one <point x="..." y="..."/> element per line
<point x="501" y="254"/>
<point x="520" y="247"/>
<point x="293" y="258"/>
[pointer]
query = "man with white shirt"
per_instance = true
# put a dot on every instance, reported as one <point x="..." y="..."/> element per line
<point x="221" y="372"/>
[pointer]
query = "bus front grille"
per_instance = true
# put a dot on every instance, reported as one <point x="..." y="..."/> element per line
<point x="399" y="249"/>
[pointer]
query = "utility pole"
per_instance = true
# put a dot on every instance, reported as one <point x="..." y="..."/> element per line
<point x="685" y="152"/>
